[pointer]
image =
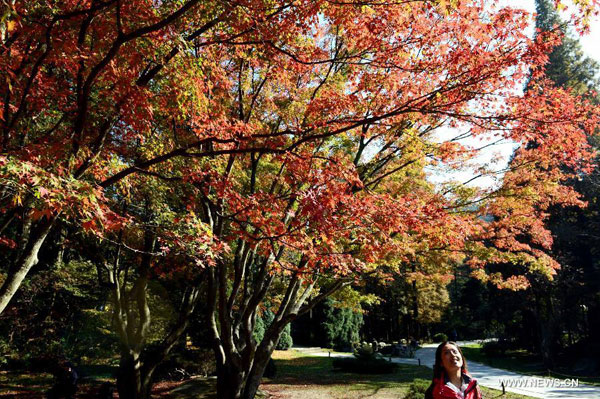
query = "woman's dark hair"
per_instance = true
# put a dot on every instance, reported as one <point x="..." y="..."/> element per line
<point x="438" y="368"/>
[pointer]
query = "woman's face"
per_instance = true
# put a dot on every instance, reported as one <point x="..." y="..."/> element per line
<point x="451" y="358"/>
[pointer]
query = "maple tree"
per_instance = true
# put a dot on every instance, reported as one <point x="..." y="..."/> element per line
<point x="278" y="148"/>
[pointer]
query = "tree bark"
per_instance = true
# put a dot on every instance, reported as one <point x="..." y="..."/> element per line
<point x="27" y="259"/>
<point x="136" y="370"/>
<point x="239" y="373"/>
<point x="547" y="331"/>
<point x="242" y="382"/>
<point x="137" y="365"/>
<point x="546" y="321"/>
<point x="261" y="359"/>
<point x="132" y="383"/>
<point x="230" y="381"/>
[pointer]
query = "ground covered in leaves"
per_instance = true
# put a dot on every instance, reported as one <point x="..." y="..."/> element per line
<point x="18" y="385"/>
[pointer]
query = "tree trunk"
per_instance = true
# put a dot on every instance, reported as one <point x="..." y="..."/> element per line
<point x="230" y="382"/>
<point x="546" y="347"/>
<point x="241" y="380"/>
<point x="27" y="259"/>
<point x="131" y="381"/>
<point x="547" y="339"/>
<point x="234" y="383"/>
<point x="136" y="371"/>
<point x="261" y="359"/>
<point x="547" y="328"/>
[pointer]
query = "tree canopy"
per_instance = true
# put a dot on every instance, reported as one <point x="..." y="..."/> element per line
<point x="275" y="150"/>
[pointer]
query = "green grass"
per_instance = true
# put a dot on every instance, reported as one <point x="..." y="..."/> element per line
<point x="298" y="366"/>
<point x="302" y="375"/>
<point x="515" y="360"/>
<point x="299" y="376"/>
<point x="520" y="361"/>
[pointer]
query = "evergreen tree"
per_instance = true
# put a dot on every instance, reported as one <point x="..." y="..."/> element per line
<point x="341" y="326"/>
<point x="332" y="324"/>
<point x="263" y="322"/>
<point x="567" y="66"/>
<point x="556" y="303"/>
<point x="553" y="315"/>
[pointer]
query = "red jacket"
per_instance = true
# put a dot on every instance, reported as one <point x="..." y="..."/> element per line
<point x="441" y="391"/>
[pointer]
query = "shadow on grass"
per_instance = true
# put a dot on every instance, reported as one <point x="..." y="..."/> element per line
<point x="316" y="371"/>
<point x="319" y="371"/>
<point x="516" y="360"/>
<point x="301" y="371"/>
<point x="34" y="385"/>
<point x="198" y="386"/>
<point x="98" y="371"/>
<point x="25" y="379"/>
<point x="20" y="386"/>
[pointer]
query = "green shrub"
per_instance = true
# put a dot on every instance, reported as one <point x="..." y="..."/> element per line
<point x="364" y="352"/>
<point x="261" y="325"/>
<point x="341" y="326"/>
<point x="364" y="366"/>
<point x="66" y="321"/>
<point x="7" y="352"/>
<point x="285" y="340"/>
<point x="495" y="348"/>
<point x="416" y="390"/>
<point x="259" y="328"/>
<point x="329" y="325"/>
<point x="90" y="336"/>
<point x="440" y="337"/>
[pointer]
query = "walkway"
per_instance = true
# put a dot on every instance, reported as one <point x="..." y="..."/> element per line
<point x="491" y="377"/>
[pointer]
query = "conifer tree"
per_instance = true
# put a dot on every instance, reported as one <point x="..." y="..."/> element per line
<point x="567" y="66"/>
<point x="570" y="69"/>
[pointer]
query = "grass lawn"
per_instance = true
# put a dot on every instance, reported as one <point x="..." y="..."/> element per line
<point x="302" y="376"/>
<point x="520" y="361"/>
<point x="299" y="376"/>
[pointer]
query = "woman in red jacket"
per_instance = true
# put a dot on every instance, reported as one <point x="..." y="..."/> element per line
<point x="450" y="377"/>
